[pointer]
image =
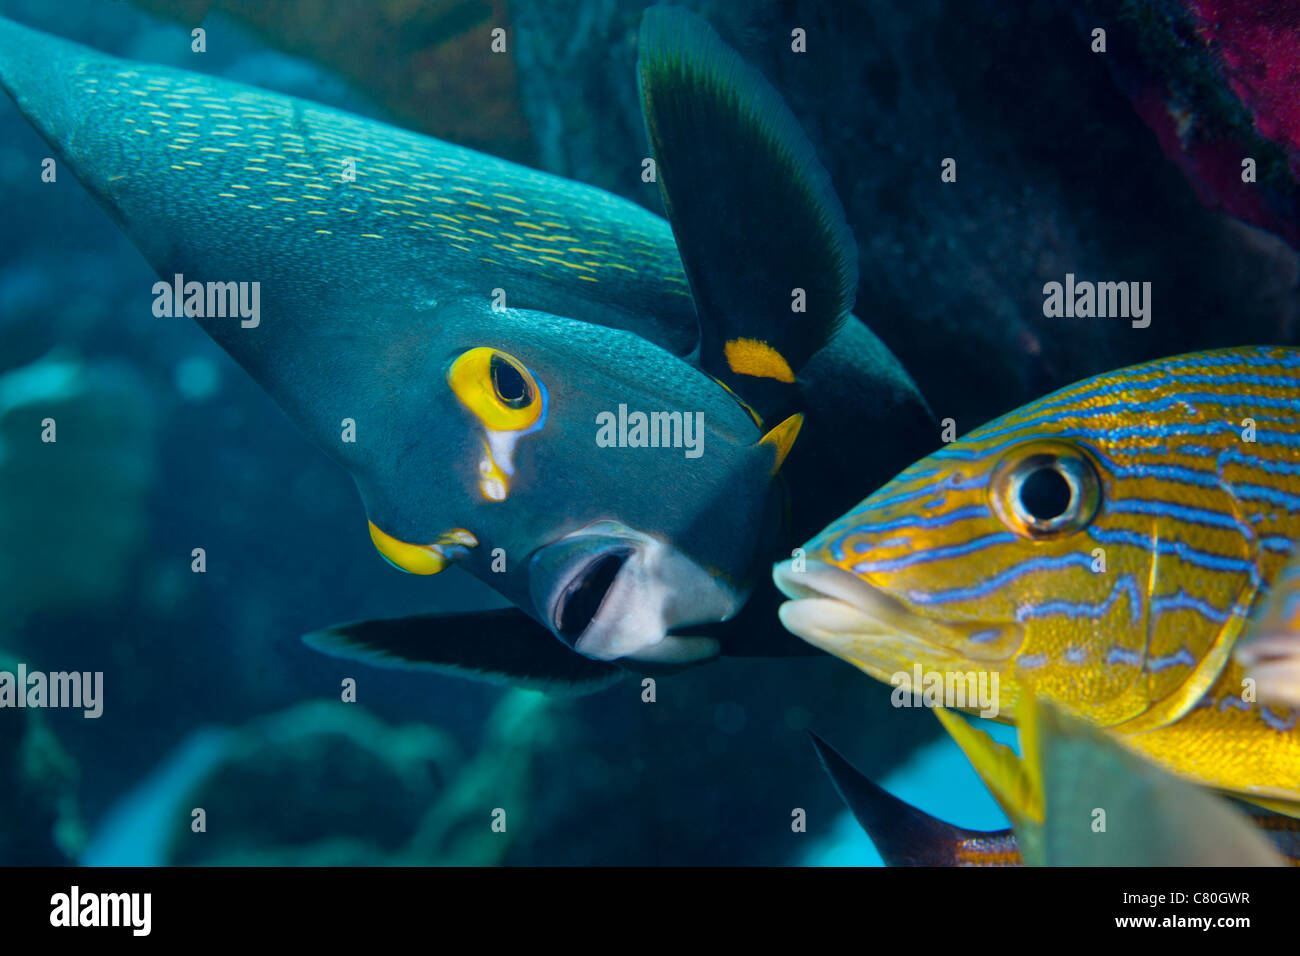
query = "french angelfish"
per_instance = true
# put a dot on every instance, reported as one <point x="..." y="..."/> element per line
<point x="382" y="257"/>
<point x="1069" y="772"/>
<point x="1104" y="548"/>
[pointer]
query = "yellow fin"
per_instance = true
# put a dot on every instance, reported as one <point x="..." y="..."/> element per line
<point x="1287" y="808"/>
<point x="757" y="358"/>
<point x="413" y="558"/>
<point x="1016" y="784"/>
<point x="781" y="438"/>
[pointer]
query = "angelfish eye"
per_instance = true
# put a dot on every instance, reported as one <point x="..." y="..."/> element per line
<point x="1045" y="490"/>
<point x="498" y="388"/>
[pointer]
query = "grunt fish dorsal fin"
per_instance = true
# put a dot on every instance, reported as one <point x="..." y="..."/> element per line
<point x="759" y="228"/>
<point x="903" y="834"/>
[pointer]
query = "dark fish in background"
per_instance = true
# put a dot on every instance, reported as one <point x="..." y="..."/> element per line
<point x="421" y="61"/>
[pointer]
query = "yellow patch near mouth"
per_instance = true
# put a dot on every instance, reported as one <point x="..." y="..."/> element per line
<point x="420" y="558"/>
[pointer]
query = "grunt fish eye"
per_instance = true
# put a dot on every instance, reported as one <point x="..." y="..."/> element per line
<point x="1045" y="494"/>
<point x="497" y="388"/>
<point x="509" y="384"/>
<point x="1045" y="490"/>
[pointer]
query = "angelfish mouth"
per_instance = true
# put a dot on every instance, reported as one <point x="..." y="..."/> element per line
<point x="585" y="594"/>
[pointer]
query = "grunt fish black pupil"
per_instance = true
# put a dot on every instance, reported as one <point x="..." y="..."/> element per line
<point x="1045" y="494"/>
<point x="510" y="386"/>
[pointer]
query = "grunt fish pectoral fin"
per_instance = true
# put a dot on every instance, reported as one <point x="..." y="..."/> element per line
<point x="1079" y="798"/>
<point x="1106" y="806"/>
<point x="764" y="240"/>
<point x="1014" y="783"/>
<point x="1269" y="648"/>
<point x="499" y="646"/>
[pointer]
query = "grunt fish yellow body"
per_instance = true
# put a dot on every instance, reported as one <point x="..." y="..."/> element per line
<point x="1103" y="547"/>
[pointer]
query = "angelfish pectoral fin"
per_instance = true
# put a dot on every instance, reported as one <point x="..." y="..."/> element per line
<point x="781" y="439"/>
<point x="499" y="647"/>
<point x="423" y="558"/>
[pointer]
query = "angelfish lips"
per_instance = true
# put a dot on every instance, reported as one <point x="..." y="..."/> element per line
<point x="609" y="592"/>
<point x="846" y="616"/>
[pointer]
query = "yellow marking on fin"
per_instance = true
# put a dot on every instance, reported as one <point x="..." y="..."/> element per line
<point x="757" y="358"/>
<point x="1016" y="783"/>
<point x="370" y="235"/>
<point x="781" y="438"/>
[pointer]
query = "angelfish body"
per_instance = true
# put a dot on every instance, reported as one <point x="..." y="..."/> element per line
<point x="452" y="329"/>
<point x="1103" y="547"/>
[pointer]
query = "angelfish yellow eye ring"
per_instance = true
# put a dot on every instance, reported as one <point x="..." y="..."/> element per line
<point x="1045" y="490"/>
<point x="497" y="388"/>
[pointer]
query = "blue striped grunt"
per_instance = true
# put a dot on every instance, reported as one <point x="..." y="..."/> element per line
<point x="1103" y="548"/>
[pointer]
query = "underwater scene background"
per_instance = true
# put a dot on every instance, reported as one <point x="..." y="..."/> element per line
<point x="1070" y="162"/>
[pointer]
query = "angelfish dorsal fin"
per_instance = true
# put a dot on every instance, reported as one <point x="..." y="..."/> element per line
<point x="771" y="261"/>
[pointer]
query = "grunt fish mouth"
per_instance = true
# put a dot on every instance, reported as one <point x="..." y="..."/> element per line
<point x="843" y="614"/>
<point x="585" y="594"/>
